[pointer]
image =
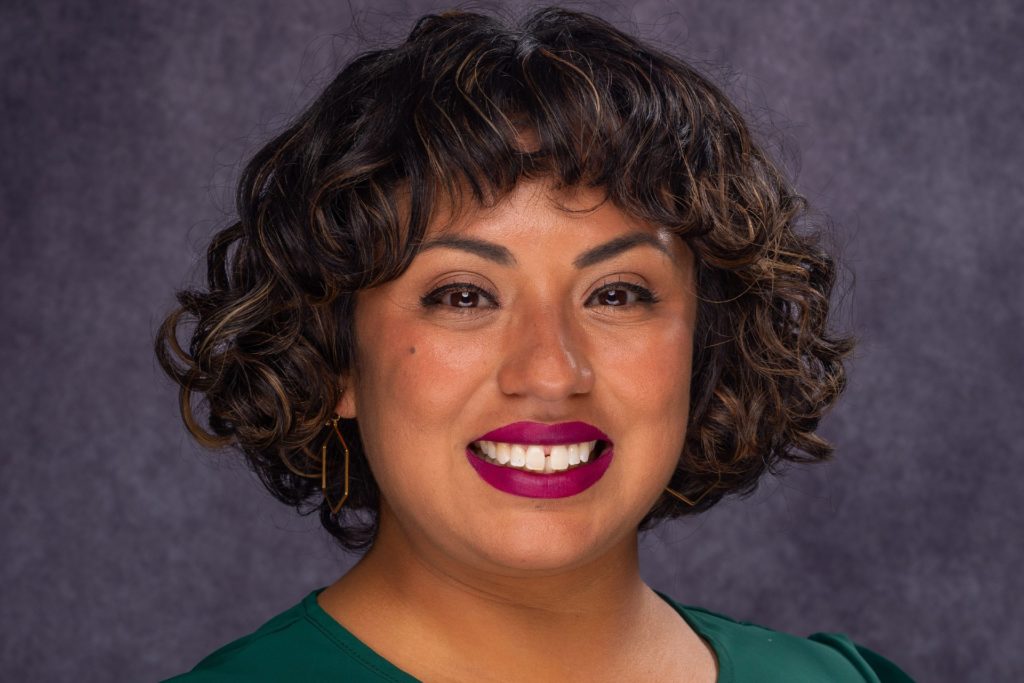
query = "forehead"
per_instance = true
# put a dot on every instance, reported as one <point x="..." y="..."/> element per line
<point x="529" y="207"/>
<point x="536" y="216"/>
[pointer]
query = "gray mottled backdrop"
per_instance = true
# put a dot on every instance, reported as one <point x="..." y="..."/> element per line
<point x="127" y="554"/>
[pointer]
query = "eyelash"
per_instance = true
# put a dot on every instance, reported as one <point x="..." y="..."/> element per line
<point x="644" y="296"/>
<point x="435" y="298"/>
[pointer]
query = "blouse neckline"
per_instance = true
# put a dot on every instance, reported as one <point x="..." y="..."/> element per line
<point x="384" y="669"/>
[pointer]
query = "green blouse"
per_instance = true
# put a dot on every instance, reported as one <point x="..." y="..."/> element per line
<point x="307" y="644"/>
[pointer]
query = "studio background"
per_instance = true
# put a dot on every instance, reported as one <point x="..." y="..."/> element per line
<point x="129" y="553"/>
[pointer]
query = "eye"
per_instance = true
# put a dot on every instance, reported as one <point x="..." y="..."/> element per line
<point x="461" y="295"/>
<point x="621" y="294"/>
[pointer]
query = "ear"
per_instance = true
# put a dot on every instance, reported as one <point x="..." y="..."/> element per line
<point x="346" y="406"/>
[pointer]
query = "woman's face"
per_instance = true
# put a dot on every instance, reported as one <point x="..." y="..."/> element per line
<point x="526" y="313"/>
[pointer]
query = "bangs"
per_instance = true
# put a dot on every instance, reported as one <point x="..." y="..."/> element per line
<point x="484" y="107"/>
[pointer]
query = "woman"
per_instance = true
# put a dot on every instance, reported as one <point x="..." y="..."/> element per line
<point x="498" y="300"/>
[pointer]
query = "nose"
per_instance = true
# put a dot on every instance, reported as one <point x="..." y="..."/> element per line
<point x="544" y="357"/>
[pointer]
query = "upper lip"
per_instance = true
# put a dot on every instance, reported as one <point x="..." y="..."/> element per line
<point x="545" y="434"/>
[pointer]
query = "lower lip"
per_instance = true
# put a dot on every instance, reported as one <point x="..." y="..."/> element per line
<point x="550" y="485"/>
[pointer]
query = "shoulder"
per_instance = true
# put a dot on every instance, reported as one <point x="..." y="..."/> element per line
<point x="298" y="644"/>
<point x="749" y="652"/>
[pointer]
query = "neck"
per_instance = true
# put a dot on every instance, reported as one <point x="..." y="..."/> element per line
<point x="402" y="590"/>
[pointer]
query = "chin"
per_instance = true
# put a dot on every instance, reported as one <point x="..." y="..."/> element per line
<point x="543" y="545"/>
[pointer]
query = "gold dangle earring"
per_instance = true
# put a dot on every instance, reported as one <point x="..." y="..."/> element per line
<point x="333" y="424"/>
<point x="683" y="498"/>
<point x="693" y="502"/>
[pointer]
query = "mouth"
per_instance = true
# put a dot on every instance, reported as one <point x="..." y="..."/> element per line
<point x="536" y="460"/>
<point x="540" y="458"/>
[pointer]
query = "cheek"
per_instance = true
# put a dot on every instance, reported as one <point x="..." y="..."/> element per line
<point x="415" y="386"/>
<point x="419" y="373"/>
<point x="651" y="367"/>
<point x="650" y="373"/>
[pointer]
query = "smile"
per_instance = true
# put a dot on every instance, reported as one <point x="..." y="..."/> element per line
<point x="536" y="457"/>
<point x="536" y="460"/>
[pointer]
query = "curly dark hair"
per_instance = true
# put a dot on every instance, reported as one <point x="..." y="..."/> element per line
<point x="340" y="201"/>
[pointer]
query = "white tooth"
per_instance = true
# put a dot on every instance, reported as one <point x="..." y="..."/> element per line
<point x="559" y="458"/>
<point x="574" y="454"/>
<point x="534" y="458"/>
<point x="518" y="456"/>
<point x="489" y="448"/>
<point x="585" y="451"/>
<point x="502" y="453"/>
<point x="547" y="464"/>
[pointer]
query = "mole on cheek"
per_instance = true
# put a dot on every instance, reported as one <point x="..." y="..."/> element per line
<point x="412" y="350"/>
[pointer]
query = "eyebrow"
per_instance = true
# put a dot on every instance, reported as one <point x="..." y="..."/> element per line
<point x="603" y="252"/>
<point x="488" y="250"/>
<point x="502" y="256"/>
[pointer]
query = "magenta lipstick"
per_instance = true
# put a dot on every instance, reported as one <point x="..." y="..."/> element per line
<point x="531" y="484"/>
<point x="545" y="435"/>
